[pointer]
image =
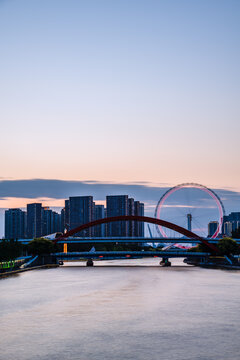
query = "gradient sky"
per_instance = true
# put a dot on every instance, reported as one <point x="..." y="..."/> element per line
<point x="121" y="91"/>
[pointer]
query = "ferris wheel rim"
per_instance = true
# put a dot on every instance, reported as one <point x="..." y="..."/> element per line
<point x="211" y="192"/>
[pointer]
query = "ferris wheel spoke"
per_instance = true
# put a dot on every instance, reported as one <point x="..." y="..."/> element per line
<point x="173" y="217"/>
<point x="205" y="214"/>
<point x="179" y="210"/>
<point x="189" y="202"/>
<point x="194" y="209"/>
<point x="200" y="226"/>
<point x="208" y="217"/>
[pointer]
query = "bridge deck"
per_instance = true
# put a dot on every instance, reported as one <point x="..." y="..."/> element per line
<point x="134" y="240"/>
<point x="118" y="254"/>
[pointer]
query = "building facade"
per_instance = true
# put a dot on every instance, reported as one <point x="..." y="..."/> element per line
<point x="118" y="205"/>
<point x="15" y="224"/>
<point x="99" y="230"/>
<point x="212" y="228"/>
<point x="41" y="221"/>
<point x="139" y="226"/>
<point x="231" y="223"/>
<point x="65" y="214"/>
<point x="81" y="211"/>
<point x="34" y="220"/>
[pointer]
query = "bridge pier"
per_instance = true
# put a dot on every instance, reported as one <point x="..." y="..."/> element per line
<point x="165" y="262"/>
<point x="89" y="262"/>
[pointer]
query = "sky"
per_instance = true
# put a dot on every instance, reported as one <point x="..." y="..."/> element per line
<point x="120" y="92"/>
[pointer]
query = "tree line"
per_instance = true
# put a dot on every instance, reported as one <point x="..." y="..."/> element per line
<point x="12" y="249"/>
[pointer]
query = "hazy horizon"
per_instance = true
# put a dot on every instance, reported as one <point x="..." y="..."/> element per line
<point x="52" y="193"/>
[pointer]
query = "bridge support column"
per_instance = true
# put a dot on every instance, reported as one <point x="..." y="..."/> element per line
<point x="165" y="262"/>
<point x="89" y="262"/>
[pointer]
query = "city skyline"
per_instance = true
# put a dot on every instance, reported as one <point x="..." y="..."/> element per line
<point x="16" y="194"/>
<point x="37" y="220"/>
<point x="177" y="206"/>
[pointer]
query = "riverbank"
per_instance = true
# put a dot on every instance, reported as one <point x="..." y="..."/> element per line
<point x="212" y="265"/>
<point x="220" y="267"/>
<point x="14" y="272"/>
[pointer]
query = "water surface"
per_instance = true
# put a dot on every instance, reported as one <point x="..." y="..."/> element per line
<point x="133" y="312"/>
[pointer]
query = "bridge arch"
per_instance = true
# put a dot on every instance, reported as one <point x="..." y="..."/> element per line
<point x="147" y="219"/>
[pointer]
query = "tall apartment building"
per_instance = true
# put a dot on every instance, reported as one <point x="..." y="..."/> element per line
<point x="117" y="205"/>
<point x="34" y="220"/>
<point x="15" y="224"/>
<point x="230" y="222"/>
<point x="81" y="211"/>
<point x="46" y="221"/>
<point x="99" y="230"/>
<point x="65" y="213"/>
<point x="56" y="223"/>
<point x="139" y="226"/>
<point x="131" y="224"/>
<point x="51" y="222"/>
<point x="228" y="228"/>
<point x="212" y="228"/>
<point x="42" y="221"/>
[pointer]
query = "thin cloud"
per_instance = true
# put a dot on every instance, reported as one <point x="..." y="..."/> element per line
<point x="62" y="189"/>
<point x="189" y="206"/>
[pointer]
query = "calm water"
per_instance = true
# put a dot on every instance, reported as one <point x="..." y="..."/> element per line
<point x="121" y="313"/>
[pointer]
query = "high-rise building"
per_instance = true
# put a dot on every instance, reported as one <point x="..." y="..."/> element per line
<point x="234" y="219"/>
<point x="99" y="230"/>
<point x="65" y="220"/>
<point x="117" y="205"/>
<point x="228" y="228"/>
<point x="63" y="229"/>
<point x="15" y="224"/>
<point x="46" y="221"/>
<point x="139" y="226"/>
<point x="81" y="211"/>
<point x="56" y="222"/>
<point x="65" y="217"/>
<point x="212" y="228"/>
<point x="131" y="211"/>
<point x="34" y="220"/>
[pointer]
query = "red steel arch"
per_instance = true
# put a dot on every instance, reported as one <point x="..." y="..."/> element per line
<point x="147" y="219"/>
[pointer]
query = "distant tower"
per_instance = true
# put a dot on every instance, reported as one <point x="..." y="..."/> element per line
<point x="189" y="222"/>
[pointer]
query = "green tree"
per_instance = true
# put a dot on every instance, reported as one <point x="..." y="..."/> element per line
<point x="40" y="246"/>
<point x="228" y="246"/>
<point x="10" y="250"/>
<point x="199" y="248"/>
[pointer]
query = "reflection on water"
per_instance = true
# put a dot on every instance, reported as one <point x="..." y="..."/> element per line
<point x="132" y="312"/>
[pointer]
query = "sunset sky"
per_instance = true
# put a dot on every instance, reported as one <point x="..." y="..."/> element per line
<point x="120" y="91"/>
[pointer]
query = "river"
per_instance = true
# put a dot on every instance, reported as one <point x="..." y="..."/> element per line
<point x="120" y="313"/>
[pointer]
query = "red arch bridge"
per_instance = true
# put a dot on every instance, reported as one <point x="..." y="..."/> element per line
<point x="211" y="248"/>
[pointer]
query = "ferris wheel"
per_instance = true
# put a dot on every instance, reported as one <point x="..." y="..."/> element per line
<point x="192" y="206"/>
